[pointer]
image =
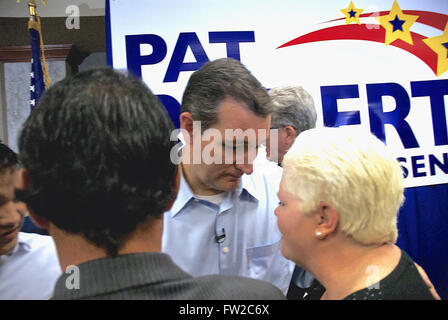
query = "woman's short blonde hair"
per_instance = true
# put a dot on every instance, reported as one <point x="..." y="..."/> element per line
<point x="353" y="171"/>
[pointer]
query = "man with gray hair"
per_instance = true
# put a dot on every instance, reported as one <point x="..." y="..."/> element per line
<point x="293" y="112"/>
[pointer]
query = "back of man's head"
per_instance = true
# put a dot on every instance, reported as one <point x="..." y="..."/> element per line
<point x="292" y="106"/>
<point x="97" y="152"/>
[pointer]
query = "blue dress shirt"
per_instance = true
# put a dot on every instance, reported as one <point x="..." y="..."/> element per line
<point x="194" y="229"/>
<point x="30" y="271"/>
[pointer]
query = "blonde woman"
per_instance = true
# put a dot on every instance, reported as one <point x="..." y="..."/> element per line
<point x="339" y="197"/>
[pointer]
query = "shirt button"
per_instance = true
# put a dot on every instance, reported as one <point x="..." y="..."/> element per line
<point x="225" y="249"/>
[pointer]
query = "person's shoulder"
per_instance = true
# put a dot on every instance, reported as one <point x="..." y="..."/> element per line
<point x="264" y="166"/>
<point x="40" y="248"/>
<point x="403" y="283"/>
<point x="265" y="173"/>
<point x="235" y="287"/>
<point x="406" y="282"/>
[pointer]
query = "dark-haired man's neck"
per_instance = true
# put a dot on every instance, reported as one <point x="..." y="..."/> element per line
<point x="75" y="249"/>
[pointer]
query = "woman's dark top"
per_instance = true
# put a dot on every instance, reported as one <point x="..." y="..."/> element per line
<point x="403" y="283"/>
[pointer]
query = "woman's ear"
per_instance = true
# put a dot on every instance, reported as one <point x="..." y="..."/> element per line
<point x="327" y="220"/>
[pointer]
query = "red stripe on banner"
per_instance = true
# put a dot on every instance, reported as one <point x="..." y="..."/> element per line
<point x="369" y="33"/>
<point x="433" y="19"/>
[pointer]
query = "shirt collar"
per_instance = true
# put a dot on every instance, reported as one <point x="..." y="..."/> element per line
<point x="186" y="194"/>
<point x="248" y="184"/>
<point x="22" y="245"/>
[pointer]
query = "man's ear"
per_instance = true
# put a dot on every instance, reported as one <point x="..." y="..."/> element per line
<point x="24" y="180"/>
<point x="291" y="134"/>
<point x="186" y="124"/>
<point x="176" y="186"/>
<point x="25" y="183"/>
<point x="327" y="219"/>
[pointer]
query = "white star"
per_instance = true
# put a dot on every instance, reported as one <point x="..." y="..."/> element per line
<point x="32" y="74"/>
<point x="33" y="102"/>
<point x="32" y="88"/>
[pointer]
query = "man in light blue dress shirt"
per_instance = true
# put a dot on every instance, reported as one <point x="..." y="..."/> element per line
<point x="29" y="264"/>
<point x="223" y="220"/>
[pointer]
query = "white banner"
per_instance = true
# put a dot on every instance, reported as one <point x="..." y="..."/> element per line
<point x="378" y="64"/>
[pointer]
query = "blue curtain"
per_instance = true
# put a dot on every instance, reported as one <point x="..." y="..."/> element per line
<point x="423" y="231"/>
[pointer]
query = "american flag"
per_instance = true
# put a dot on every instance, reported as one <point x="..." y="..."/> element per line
<point x="37" y="86"/>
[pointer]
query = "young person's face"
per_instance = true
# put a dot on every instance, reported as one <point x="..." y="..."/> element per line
<point x="11" y="213"/>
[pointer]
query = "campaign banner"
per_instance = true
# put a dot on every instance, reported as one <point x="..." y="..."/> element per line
<point x="381" y="65"/>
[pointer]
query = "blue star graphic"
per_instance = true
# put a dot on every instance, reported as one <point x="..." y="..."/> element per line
<point x="446" y="46"/>
<point x="352" y="13"/>
<point x="397" y="24"/>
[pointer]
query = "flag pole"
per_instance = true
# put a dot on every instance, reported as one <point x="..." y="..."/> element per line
<point x="34" y="23"/>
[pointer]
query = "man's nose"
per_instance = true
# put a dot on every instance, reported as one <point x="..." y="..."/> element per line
<point x="247" y="168"/>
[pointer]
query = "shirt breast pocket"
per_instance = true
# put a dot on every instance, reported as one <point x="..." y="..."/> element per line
<point x="262" y="262"/>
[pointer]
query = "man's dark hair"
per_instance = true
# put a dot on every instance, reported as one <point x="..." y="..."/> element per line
<point x="8" y="158"/>
<point x="218" y="80"/>
<point x="97" y="150"/>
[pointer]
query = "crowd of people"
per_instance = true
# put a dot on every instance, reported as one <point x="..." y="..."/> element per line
<point x="261" y="206"/>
